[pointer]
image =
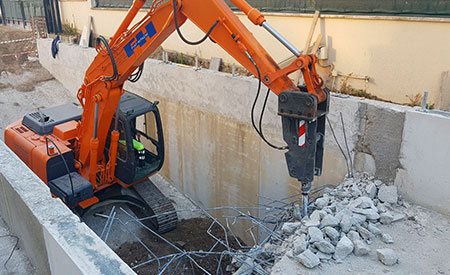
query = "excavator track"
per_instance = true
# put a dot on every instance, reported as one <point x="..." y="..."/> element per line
<point x="145" y="200"/>
<point x="165" y="215"/>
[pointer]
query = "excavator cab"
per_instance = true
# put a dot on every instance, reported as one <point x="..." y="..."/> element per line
<point x="140" y="154"/>
<point x="140" y="151"/>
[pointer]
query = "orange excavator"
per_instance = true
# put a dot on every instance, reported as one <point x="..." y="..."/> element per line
<point x="105" y="147"/>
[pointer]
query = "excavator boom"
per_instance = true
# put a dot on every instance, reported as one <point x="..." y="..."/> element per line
<point x="302" y="109"/>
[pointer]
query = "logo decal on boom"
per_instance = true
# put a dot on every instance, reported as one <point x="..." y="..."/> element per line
<point x="140" y="39"/>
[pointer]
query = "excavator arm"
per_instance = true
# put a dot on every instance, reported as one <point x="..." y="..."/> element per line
<point x="302" y="109"/>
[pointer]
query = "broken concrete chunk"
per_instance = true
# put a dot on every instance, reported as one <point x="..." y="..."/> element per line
<point x="386" y="238"/>
<point x="290" y="227"/>
<point x="342" y="194"/>
<point x="353" y="236"/>
<point x="215" y="63"/>
<point x="360" y="248"/>
<point x="331" y="233"/>
<point x="387" y="256"/>
<point x="329" y="220"/>
<point x="323" y="257"/>
<point x="371" y="190"/>
<point x="343" y="248"/>
<point x="346" y="223"/>
<point x="308" y="259"/>
<point x="373" y="229"/>
<point x="361" y="202"/>
<point x="325" y="247"/>
<point x="386" y="218"/>
<point x="398" y="217"/>
<point x="370" y="213"/>
<point x="299" y="244"/>
<point x="378" y="183"/>
<point x="314" y="218"/>
<point x="358" y="219"/>
<point x="343" y="212"/>
<point x="313" y="249"/>
<point x="365" y="234"/>
<point x="322" y="202"/>
<point x="382" y="208"/>
<point x="315" y="235"/>
<point x="388" y="194"/>
<point x="355" y="192"/>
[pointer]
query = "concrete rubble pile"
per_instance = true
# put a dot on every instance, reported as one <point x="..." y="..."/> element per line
<point x="343" y="221"/>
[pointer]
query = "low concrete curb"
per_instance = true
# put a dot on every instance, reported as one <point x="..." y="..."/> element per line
<point x="54" y="239"/>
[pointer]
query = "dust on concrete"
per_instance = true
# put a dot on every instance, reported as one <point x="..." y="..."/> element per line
<point x="12" y="256"/>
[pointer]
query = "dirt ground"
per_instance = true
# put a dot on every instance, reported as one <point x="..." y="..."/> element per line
<point x="190" y="235"/>
<point x="19" y="57"/>
<point x="136" y="245"/>
<point x="24" y="85"/>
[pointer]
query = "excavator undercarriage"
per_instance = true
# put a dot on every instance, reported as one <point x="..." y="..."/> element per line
<point x="140" y="154"/>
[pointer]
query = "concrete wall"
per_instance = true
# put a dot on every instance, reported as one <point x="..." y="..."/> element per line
<point x="212" y="152"/>
<point x="54" y="239"/>
<point x="402" y="56"/>
<point x="424" y="175"/>
<point x="214" y="155"/>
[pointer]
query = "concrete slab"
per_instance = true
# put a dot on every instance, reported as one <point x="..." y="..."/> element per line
<point x="53" y="238"/>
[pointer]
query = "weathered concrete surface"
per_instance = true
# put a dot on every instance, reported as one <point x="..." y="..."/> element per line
<point x="209" y="138"/>
<point x="18" y="262"/>
<point x="53" y="238"/>
<point x="70" y="64"/>
<point x="381" y="131"/>
<point x="214" y="155"/>
<point x="425" y="157"/>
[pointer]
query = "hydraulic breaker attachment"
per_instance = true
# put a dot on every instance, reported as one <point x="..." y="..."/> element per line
<point x="303" y="120"/>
